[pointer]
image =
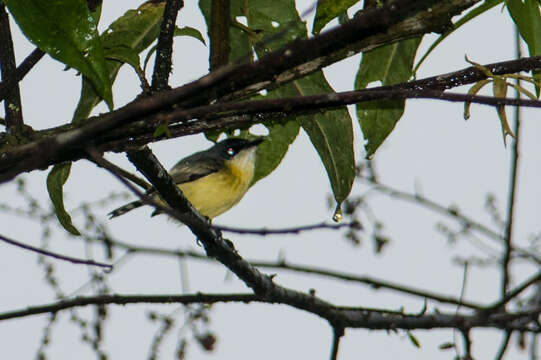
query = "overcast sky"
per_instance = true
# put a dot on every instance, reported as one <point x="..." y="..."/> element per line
<point x="433" y="148"/>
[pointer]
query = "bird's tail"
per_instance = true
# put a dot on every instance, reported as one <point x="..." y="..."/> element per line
<point x="124" y="209"/>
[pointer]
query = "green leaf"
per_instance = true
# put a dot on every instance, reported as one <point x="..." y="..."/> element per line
<point x="162" y="129"/>
<point x="472" y="14"/>
<point x="191" y="32"/>
<point x="528" y="20"/>
<point x="67" y="31"/>
<point x="96" y="14"/>
<point x="137" y="30"/>
<point x="330" y="132"/>
<point x="185" y="31"/>
<point x="473" y="91"/>
<point x="124" y="54"/>
<point x="500" y="90"/>
<point x="239" y="40"/>
<point x="327" y="10"/>
<point x="55" y="182"/>
<point x="271" y="151"/>
<point x="378" y="119"/>
<point x="390" y="64"/>
<point x="414" y="340"/>
<point x="242" y="40"/>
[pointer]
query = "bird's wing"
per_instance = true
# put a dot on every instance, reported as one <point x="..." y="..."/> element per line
<point x="194" y="167"/>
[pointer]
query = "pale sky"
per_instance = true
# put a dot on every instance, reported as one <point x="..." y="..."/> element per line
<point x="433" y="148"/>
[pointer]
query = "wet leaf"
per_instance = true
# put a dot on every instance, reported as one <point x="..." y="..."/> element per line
<point x="67" y="31"/>
<point x="389" y="64"/>
<point x="137" y="30"/>
<point x="55" y="186"/>
<point x="500" y="90"/>
<point x="528" y="20"/>
<point x="473" y="91"/>
<point x="330" y="132"/>
<point x="184" y="31"/>
<point x="329" y="9"/>
<point x="191" y="32"/>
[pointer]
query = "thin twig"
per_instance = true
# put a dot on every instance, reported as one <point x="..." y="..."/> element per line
<point x="467" y="344"/>
<point x="128" y="299"/>
<point x="54" y="255"/>
<point x="511" y="202"/>
<point x="432" y="205"/>
<point x="28" y="63"/>
<point x="533" y="348"/>
<point x="513" y="293"/>
<point x="467" y="222"/>
<point x="311" y="270"/>
<point x="119" y="171"/>
<point x="113" y="169"/>
<point x="291" y="230"/>
<point x="164" y="49"/>
<point x="337" y="333"/>
<point x="504" y="345"/>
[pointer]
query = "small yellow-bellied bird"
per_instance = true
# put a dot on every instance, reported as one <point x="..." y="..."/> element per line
<point x="213" y="180"/>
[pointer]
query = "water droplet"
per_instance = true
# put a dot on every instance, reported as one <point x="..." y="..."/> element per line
<point x="337" y="217"/>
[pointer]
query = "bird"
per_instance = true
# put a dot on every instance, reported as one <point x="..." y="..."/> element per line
<point x="213" y="180"/>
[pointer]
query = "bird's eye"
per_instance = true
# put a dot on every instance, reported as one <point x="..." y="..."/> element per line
<point x="230" y="151"/>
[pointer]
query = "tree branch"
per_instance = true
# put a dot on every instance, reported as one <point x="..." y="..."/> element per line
<point x="222" y="250"/>
<point x="511" y="200"/>
<point x="15" y="77"/>
<point x="504" y="345"/>
<point x="349" y="317"/>
<point x="372" y="27"/>
<point x="128" y="299"/>
<point x="119" y="171"/>
<point x="337" y="333"/>
<point x="164" y="50"/>
<point x="220" y="46"/>
<point x="12" y="104"/>
<point x="224" y="116"/>
<point x="445" y="210"/>
<point x="509" y="295"/>
<point x="54" y="255"/>
<point x="374" y="283"/>
<point x="291" y="230"/>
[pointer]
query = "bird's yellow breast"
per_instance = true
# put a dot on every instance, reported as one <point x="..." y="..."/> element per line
<point x="216" y="193"/>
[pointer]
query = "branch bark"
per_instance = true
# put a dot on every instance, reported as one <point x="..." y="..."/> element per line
<point x="375" y="319"/>
<point x="67" y="143"/>
<point x="12" y="104"/>
<point x="219" y="33"/>
<point x="164" y="50"/>
<point x="370" y="28"/>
